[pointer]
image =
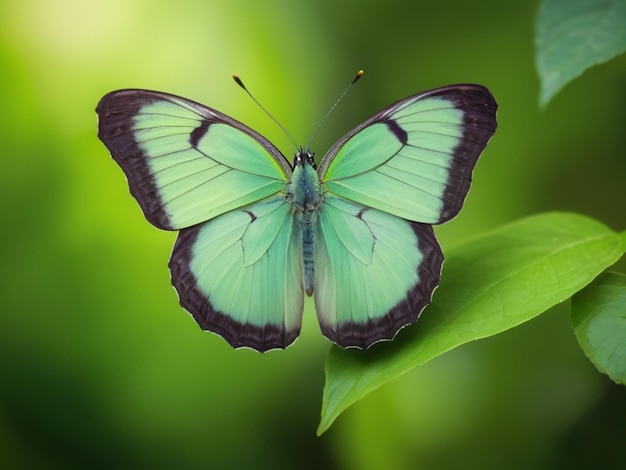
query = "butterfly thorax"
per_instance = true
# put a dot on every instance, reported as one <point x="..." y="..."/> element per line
<point x="304" y="193"/>
<point x="304" y="188"/>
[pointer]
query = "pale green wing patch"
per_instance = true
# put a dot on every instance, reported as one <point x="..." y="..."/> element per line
<point x="240" y="275"/>
<point x="374" y="272"/>
<point x="415" y="158"/>
<point x="187" y="163"/>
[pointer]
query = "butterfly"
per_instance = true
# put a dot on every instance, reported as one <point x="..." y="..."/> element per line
<point x="258" y="233"/>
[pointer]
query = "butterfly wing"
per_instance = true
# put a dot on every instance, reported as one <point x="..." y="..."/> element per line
<point x="414" y="159"/>
<point x="374" y="272"/>
<point x="186" y="163"/>
<point x="377" y="263"/>
<point x="240" y="275"/>
<point x="235" y="264"/>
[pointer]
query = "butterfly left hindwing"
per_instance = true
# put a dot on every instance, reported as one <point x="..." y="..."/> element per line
<point x="240" y="275"/>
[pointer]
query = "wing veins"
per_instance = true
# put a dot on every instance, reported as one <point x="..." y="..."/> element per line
<point x="152" y="139"/>
<point x="189" y="190"/>
<point x="186" y="192"/>
<point x="420" y="111"/>
<point x="196" y="173"/>
<point x="199" y="117"/>
<point x="163" y="126"/>
<point x="434" y="163"/>
<point x="365" y="194"/>
<point x="430" y="150"/>
<point x="420" y="131"/>
<point x="407" y="184"/>
<point x="207" y="266"/>
<point x="413" y="174"/>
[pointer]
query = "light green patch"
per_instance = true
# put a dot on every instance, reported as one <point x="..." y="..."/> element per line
<point x="364" y="152"/>
<point x="227" y="170"/>
<point x="353" y="232"/>
<point x="236" y="150"/>
<point x="408" y="181"/>
<point x="346" y="288"/>
<point x="264" y="287"/>
<point x="269" y="218"/>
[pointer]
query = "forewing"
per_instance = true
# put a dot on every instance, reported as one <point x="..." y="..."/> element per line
<point x="186" y="163"/>
<point x="240" y="275"/>
<point x="414" y="159"/>
<point x="374" y="272"/>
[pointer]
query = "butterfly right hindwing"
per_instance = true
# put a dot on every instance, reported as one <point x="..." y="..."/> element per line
<point x="374" y="272"/>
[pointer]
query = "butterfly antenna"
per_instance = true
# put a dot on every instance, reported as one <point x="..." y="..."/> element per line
<point x="240" y="83"/>
<point x="358" y="75"/>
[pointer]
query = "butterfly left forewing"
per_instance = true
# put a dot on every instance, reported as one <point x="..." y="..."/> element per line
<point x="186" y="163"/>
<point x="374" y="272"/>
<point x="415" y="158"/>
<point x="240" y="275"/>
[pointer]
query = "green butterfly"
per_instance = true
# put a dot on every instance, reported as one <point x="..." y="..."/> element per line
<point x="258" y="233"/>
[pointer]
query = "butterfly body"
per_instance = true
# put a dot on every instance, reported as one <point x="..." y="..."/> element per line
<point x="258" y="233"/>
<point x="304" y="194"/>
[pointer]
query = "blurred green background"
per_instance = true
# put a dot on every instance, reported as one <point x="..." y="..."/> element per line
<point x="101" y="368"/>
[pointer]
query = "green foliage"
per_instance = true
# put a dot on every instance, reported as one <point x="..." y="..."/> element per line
<point x="490" y="284"/>
<point x="573" y="35"/>
<point x="599" y="317"/>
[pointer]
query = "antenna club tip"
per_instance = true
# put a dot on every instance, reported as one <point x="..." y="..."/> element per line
<point x="358" y="75"/>
<point x="238" y="81"/>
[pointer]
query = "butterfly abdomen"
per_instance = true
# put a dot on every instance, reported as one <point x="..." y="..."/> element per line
<point x="304" y="193"/>
<point x="308" y="242"/>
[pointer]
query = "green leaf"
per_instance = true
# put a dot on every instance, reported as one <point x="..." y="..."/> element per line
<point x="599" y="318"/>
<point x="489" y="285"/>
<point x="574" y="35"/>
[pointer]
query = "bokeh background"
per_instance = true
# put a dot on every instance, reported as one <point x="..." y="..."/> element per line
<point x="100" y="367"/>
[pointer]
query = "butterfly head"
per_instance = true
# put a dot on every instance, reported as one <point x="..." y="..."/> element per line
<point x="303" y="157"/>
